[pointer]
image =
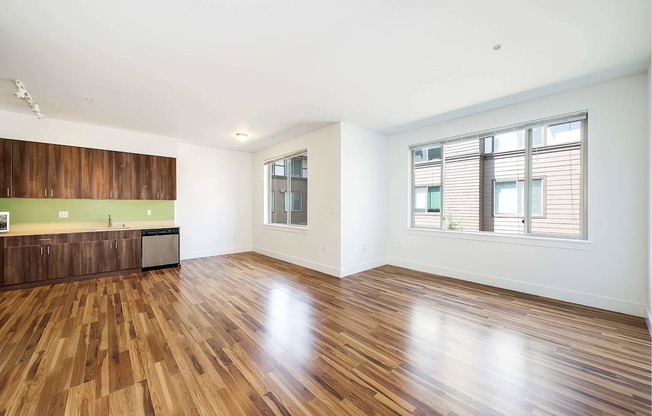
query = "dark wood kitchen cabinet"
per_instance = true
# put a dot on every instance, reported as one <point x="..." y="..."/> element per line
<point x="111" y="251"/>
<point x="124" y="175"/>
<point x="29" y="170"/>
<point x="42" y="170"/>
<point x="41" y="258"/>
<point x="64" y="172"/>
<point x="157" y="177"/>
<point x="5" y="168"/>
<point x="96" y="166"/>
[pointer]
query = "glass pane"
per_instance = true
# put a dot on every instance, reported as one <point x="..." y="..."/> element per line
<point x="279" y="168"/>
<point x="537" y="197"/>
<point x="506" y="142"/>
<point x="463" y="188"/>
<point x="426" y="175"/>
<point x="434" y="152"/>
<point x="297" y="201"/>
<point x="558" y="164"/>
<point x="434" y="199"/>
<point x="537" y="136"/>
<point x="506" y="200"/>
<point x="278" y="186"/>
<point x="299" y="188"/>
<point x="420" y="201"/>
<point x="488" y="145"/>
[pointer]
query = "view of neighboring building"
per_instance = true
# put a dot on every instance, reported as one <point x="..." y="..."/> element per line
<point x="288" y="194"/>
<point x="484" y="182"/>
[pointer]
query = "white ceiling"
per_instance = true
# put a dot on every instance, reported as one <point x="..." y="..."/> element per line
<point x="201" y="70"/>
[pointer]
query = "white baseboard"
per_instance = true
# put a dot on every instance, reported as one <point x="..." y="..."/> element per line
<point x="582" y="298"/>
<point x="347" y="271"/>
<point x="209" y="253"/>
<point x="648" y="319"/>
<point x="333" y="271"/>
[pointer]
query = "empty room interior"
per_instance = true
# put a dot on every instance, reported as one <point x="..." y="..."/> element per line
<point x="283" y="207"/>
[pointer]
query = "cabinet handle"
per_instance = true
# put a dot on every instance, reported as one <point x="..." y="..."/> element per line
<point x="161" y="195"/>
<point x="51" y="193"/>
<point x="116" y="244"/>
<point x="46" y="193"/>
<point x="110" y="244"/>
<point x="110" y="194"/>
<point x="41" y="250"/>
<point x="48" y="250"/>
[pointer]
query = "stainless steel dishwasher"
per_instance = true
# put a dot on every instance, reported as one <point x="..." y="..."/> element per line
<point x="160" y="248"/>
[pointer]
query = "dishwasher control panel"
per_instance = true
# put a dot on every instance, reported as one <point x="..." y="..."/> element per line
<point x="160" y="231"/>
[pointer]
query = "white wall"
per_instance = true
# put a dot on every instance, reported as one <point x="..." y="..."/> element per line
<point x="648" y="316"/>
<point x="318" y="246"/>
<point x="213" y="206"/>
<point x="364" y="199"/>
<point x="609" y="271"/>
<point x="213" y="201"/>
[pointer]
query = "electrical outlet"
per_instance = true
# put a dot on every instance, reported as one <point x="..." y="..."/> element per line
<point x="149" y="212"/>
<point x="63" y="214"/>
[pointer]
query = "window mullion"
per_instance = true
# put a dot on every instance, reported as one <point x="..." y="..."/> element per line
<point x="527" y="185"/>
<point x="442" y="187"/>
<point x="288" y="194"/>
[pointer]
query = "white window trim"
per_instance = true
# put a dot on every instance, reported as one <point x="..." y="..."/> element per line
<point x="268" y="172"/>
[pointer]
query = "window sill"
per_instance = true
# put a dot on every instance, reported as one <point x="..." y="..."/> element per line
<point x="564" y="243"/>
<point x="286" y="228"/>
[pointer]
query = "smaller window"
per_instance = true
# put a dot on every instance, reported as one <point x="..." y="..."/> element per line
<point x="509" y="197"/>
<point x="427" y="153"/>
<point x="297" y="201"/>
<point x="279" y="168"/>
<point x="296" y="167"/>
<point x="421" y="199"/>
<point x="434" y="199"/>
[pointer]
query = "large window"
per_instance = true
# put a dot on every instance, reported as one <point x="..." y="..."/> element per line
<point x="288" y="191"/>
<point x="526" y="179"/>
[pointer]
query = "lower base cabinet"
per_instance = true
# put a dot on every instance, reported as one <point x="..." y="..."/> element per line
<point x="29" y="259"/>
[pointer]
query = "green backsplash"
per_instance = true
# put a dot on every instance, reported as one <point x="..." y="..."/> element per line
<point x="39" y="211"/>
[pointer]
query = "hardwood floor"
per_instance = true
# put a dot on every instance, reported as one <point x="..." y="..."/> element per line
<point x="244" y="334"/>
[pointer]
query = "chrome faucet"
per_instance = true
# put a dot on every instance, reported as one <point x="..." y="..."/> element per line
<point x="110" y="221"/>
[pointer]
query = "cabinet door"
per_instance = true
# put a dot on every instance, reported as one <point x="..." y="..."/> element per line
<point x="29" y="170"/>
<point x="5" y="168"/>
<point x="128" y="253"/>
<point x="168" y="175"/>
<point x="98" y="256"/>
<point x="23" y="264"/>
<point x="148" y="176"/>
<point x="63" y="260"/>
<point x="124" y="176"/>
<point x="96" y="174"/>
<point x="64" y="172"/>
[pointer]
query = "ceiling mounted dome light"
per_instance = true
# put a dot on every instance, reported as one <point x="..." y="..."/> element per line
<point x="241" y="137"/>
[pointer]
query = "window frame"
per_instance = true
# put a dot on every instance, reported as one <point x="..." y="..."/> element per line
<point x="270" y="172"/>
<point x="578" y="116"/>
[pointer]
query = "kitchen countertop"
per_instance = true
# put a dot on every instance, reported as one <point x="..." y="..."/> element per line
<point x="65" y="228"/>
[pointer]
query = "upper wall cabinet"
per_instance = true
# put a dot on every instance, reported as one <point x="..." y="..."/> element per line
<point x="42" y="170"/>
<point x="96" y="174"/>
<point x="5" y="168"/>
<point x="64" y="172"/>
<point x="29" y="170"/>
<point x="39" y="170"/>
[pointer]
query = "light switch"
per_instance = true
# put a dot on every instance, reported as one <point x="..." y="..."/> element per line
<point x="63" y="214"/>
<point x="149" y="212"/>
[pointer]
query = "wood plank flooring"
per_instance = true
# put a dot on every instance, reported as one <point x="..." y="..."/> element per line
<point x="244" y="334"/>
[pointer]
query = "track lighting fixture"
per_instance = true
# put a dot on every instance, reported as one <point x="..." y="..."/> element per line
<point x="23" y="94"/>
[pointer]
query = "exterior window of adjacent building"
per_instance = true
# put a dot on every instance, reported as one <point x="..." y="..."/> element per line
<point x="527" y="179"/>
<point x="509" y="198"/>
<point x="288" y="190"/>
